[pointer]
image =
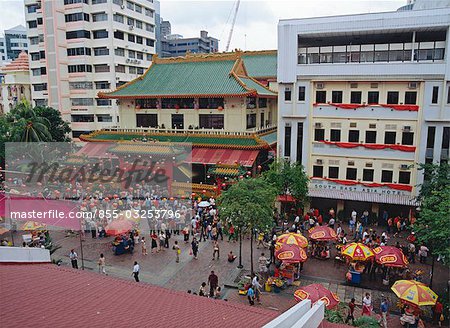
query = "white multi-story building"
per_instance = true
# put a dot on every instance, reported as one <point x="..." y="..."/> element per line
<point x="80" y="47"/>
<point x="362" y="100"/>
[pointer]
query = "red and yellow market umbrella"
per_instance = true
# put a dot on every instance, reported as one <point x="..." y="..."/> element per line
<point x="316" y="292"/>
<point x="414" y="292"/>
<point x="322" y="233"/>
<point x="292" y="239"/>
<point x="290" y="253"/>
<point x="118" y="227"/>
<point x="32" y="225"/>
<point x="357" y="252"/>
<point x="390" y="256"/>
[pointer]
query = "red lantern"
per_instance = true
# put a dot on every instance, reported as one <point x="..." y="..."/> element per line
<point x="204" y="191"/>
<point x="259" y="167"/>
<point x="115" y="196"/>
<point x="220" y="108"/>
<point x="249" y="172"/>
<point x="241" y="177"/>
<point x="193" y="194"/>
<point x="223" y="185"/>
<point x="171" y="198"/>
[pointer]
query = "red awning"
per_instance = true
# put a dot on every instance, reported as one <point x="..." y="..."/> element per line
<point x="286" y="199"/>
<point x="96" y="150"/>
<point x="224" y="156"/>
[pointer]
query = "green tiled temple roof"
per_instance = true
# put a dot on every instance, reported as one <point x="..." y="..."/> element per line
<point x="192" y="76"/>
<point x="270" y="138"/>
<point x="261" y="64"/>
<point x="197" y="140"/>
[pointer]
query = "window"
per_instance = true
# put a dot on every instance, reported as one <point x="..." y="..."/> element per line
<point x="435" y="96"/>
<point x="82" y="34"/>
<point x="319" y="134"/>
<point x="287" y="140"/>
<point x="335" y="135"/>
<point x="70" y="2"/>
<point x="321" y="97"/>
<point x="103" y="102"/>
<point x="373" y="97"/>
<point x="389" y="137"/>
<point x="448" y="95"/>
<point x="333" y="172"/>
<point x="353" y="136"/>
<point x="32" y="8"/>
<point x="78" y="51"/>
<point x="102" y="85"/>
<point x="147" y="120"/>
<point x="79" y="68"/>
<point x="301" y="94"/>
<point x="371" y="136"/>
<point x="80" y="85"/>
<point x="299" y="142"/>
<point x="32" y="24"/>
<point x="392" y="97"/>
<point x="138" y="24"/>
<point x="177" y="121"/>
<point x="130" y="5"/>
<point x="211" y="121"/>
<point x="118" y="18"/>
<point x="99" y="17"/>
<point x="138" y="8"/>
<point x="150" y="42"/>
<point x="120" y="69"/>
<point x="103" y="68"/>
<point x="100" y="34"/>
<point x="119" y="52"/>
<point x="132" y="70"/>
<point x="367" y="174"/>
<point x="336" y="97"/>
<point x="147" y="103"/>
<point x="33" y="41"/>
<point x="76" y="17"/>
<point x="356" y="97"/>
<point x="287" y="94"/>
<point x="149" y="28"/>
<point x="410" y="97"/>
<point x="130" y="21"/>
<point x="446" y="138"/>
<point x="87" y="118"/>
<point x="251" y="121"/>
<point x="262" y="102"/>
<point x="104" y="118"/>
<point x="35" y="56"/>
<point x="148" y="12"/>
<point x="386" y="176"/>
<point x="96" y="2"/>
<point x="103" y="51"/>
<point x="407" y="138"/>
<point x="177" y="103"/>
<point x="118" y="2"/>
<point x="431" y="136"/>
<point x="131" y="54"/>
<point x="351" y="173"/>
<point x="118" y="35"/>
<point x="82" y="101"/>
<point x="131" y="38"/>
<point x="40" y="87"/>
<point x="207" y="103"/>
<point x="404" y="177"/>
<point x="317" y="171"/>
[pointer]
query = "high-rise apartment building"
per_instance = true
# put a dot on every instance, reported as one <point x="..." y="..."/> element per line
<point x="15" y="42"/>
<point x="175" y="45"/>
<point x="80" y="47"/>
<point x="362" y="100"/>
<point x="2" y="49"/>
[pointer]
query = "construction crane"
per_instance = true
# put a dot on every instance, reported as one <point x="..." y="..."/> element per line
<point x="232" y="25"/>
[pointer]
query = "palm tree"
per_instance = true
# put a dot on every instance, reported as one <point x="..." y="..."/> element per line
<point x="27" y="126"/>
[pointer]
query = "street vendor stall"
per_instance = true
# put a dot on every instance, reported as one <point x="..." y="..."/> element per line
<point x="358" y="254"/>
<point x="292" y="258"/>
<point x="390" y="257"/>
<point x="320" y="237"/>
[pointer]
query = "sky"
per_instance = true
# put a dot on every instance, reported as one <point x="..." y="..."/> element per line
<point x="256" y="22"/>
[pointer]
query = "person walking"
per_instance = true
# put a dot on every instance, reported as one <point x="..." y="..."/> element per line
<point x="154" y="238"/>
<point x="257" y="288"/>
<point x="231" y="234"/>
<point x="384" y="311"/>
<point x="101" y="264"/>
<point x="177" y="251"/>
<point x="219" y="230"/>
<point x="262" y="265"/>
<point x="194" y="246"/>
<point x="162" y="239"/>
<point x="423" y="253"/>
<point x="351" y="312"/>
<point x="367" y="305"/>
<point x="213" y="282"/>
<point x="73" y="259"/>
<point x="251" y="296"/>
<point x="216" y="250"/>
<point x="135" y="272"/>
<point x="143" y="246"/>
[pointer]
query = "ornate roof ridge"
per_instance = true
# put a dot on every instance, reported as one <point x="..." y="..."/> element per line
<point x="259" y="52"/>
<point x="195" y="58"/>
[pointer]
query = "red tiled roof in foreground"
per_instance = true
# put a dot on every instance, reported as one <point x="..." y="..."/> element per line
<point x="45" y="295"/>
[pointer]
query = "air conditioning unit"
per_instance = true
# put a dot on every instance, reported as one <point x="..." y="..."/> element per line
<point x="372" y="126"/>
<point x="407" y="128"/>
<point x="128" y="60"/>
<point x="404" y="167"/>
<point x="122" y="6"/>
<point x="131" y="27"/>
<point x="319" y="161"/>
<point x="374" y="85"/>
<point x="413" y="85"/>
<point x="353" y="85"/>
<point x="351" y="163"/>
<point x="353" y="125"/>
<point x="320" y="85"/>
<point x="318" y="125"/>
<point x="369" y="164"/>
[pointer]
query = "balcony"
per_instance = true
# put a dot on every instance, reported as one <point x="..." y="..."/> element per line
<point x="384" y="111"/>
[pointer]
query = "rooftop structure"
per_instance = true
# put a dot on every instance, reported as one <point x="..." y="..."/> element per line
<point x="15" y="42"/>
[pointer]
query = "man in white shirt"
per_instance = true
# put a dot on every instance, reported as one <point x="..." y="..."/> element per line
<point x="354" y="215"/>
<point x="74" y="259"/>
<point x="136" y="271"/>
<point x="257" y="288"/>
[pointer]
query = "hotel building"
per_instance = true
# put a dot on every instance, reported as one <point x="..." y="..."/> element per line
<point x="80" y="47"/>
<point x="362" y="100"/>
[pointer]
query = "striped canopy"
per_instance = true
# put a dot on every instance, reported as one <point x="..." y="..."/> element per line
<point x="322" y="233"/>
<point x="292" y="239"/>
<point x="357" y="252"/>
<point x="414" y="292"/>
<point x="390" y="256"/>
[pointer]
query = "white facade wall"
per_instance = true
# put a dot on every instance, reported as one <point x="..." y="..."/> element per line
<point x="390" y="76"/>
<point x="112" y="60"/>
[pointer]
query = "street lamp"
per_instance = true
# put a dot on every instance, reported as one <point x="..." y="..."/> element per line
<point x="240" y="266"/>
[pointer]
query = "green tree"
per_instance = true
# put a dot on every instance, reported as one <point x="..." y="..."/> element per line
<point x="288" y="178"/>
<point x="248" y="205"/>
<point x="58" y="128"/>
<point x="432" y="225"/>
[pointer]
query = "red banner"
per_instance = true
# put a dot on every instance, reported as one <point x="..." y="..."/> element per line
<point x="395" y="186"/>
<point x="409" y="149"/>
<point x="413" y="108"/>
